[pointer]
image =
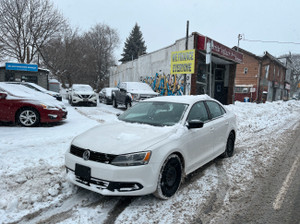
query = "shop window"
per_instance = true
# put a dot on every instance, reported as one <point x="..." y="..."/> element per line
<point x="245" y="70"/>
<point x="241" y="90"/>
<point x="29" y="78"/>
<point x="9" y="76"/>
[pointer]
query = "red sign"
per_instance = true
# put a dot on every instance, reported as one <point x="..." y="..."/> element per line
<point x="220" y="49"/>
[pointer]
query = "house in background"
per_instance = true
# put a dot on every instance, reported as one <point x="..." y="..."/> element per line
<point x="287" y="62"/>
<point x="260" y="79"/>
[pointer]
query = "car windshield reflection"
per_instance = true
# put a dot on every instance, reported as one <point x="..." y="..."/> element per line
<point x="155" y="113"/>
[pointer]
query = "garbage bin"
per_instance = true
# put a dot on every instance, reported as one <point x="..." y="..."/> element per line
<point x="246" y="99"/>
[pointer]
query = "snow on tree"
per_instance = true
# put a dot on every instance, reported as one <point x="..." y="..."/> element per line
<point x="134" y="45"/>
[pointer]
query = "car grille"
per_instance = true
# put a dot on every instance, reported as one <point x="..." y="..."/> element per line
<point x="85" y="96"/>
<point x="94" y="156"/>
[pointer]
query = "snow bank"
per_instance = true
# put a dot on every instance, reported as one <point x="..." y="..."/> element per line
<point x="33" y="177"/>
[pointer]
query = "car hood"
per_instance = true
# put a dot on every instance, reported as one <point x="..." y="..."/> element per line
<point x="84" y="92"/>
<point x="52" y="93"/>
<point x="146" y="92"/>
<point x="122" y="137"/>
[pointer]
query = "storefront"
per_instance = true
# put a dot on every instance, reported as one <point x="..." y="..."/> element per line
<point x="16" y="72"/>
<point x="175" y="71"/>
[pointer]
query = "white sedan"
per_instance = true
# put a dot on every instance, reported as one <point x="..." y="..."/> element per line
<point x="152" y="146"/>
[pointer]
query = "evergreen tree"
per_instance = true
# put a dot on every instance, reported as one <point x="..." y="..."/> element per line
<point x="134" y="45"/>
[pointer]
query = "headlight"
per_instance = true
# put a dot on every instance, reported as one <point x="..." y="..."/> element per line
<point x="47" y="107"/>
<point x="132" y="159"/>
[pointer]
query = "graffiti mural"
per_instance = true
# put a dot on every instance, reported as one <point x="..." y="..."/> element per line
<point x="167" y="85"/>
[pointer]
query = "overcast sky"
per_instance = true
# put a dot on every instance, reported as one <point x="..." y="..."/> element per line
<point x="164" y="21"/>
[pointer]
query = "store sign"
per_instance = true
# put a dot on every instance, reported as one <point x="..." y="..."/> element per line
<point x="183" y="62"/>
<point x="219" y="49"/>
<point x="21" y="67"/>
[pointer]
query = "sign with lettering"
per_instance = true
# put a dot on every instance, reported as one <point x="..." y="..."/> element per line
<point x="183" y="62"/>
<point x="21" y="67"/>
<point x="219" y="49"/>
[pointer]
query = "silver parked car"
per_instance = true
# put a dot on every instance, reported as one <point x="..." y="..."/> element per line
<point x="105" y="95"/>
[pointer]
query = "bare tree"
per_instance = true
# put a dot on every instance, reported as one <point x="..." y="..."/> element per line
<point x="85" y="58"/>
<point x="26" y="26"/>
<point x="63" y="56"/>
<point x="100" y="43"/>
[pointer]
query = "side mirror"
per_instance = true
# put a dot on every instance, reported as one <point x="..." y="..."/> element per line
<point x="195" y="124"/>
<point x="3" y="95"/>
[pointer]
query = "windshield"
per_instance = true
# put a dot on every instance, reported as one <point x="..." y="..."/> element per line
<point x="155" y="113"/>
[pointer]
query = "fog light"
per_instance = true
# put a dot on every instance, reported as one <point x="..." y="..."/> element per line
<point x="52" y="116"/>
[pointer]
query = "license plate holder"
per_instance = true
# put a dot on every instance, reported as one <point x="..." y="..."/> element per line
<point x="85" y="100"/>
<point x="83" y="172"/>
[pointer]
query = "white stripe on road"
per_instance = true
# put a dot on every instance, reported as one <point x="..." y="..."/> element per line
<point x="288" y="180"/>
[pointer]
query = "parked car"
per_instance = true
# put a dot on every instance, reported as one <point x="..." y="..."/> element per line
<point x="131" y="91"/>
<point x="105" y="95"/>
<point x="296" y="96"/>
<point x="81" y="94"/>
<point x="152" y="147"/>
<point x="20" y="104"/>
<point x="39" y="88"/>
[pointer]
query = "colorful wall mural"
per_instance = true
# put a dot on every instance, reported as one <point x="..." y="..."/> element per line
<point x="167" y="85"/>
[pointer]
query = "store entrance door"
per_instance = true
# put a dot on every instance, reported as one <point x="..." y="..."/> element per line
<point x="220" y="91"/>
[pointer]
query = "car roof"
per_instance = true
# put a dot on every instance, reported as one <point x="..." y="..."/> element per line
<point x="188" y="99"/>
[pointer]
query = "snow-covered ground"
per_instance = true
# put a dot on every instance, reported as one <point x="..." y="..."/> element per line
<point x="34" y="189"/>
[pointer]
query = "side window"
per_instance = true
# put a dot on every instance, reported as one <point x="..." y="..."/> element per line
<point x="198" y="112"/>
<point x="215" y="109"/>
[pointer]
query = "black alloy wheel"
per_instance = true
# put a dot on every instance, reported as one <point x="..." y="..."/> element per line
<point x="115" y="104"/>
<point x="170" y="177"/>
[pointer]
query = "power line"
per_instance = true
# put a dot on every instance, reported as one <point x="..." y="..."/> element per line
<point x="271" y="41"/>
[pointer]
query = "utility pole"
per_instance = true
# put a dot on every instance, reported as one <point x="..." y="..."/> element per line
<point x="186" y="48"/>
<point x="240" y="37"/>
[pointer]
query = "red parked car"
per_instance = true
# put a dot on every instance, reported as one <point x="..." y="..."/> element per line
<point x="28" y="107"/>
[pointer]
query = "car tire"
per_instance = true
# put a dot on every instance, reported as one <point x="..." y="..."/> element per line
<point x="127" y="104"/>
<point x="105" y="101"/>
<point x="115" y="104"/>
<point x="28" y="117"/>
<point x="170" y="177"/>
<point x="229" y="146"/>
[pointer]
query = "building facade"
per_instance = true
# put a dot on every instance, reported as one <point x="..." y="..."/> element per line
<point x="260" y="79"/>
<point x="16" y="72"/>
<point x="211" y="74"/>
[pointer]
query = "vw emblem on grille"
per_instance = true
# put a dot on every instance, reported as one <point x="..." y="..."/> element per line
<point x="86" y="154"/>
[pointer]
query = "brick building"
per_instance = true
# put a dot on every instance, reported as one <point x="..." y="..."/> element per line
<point x="260" y="79"/>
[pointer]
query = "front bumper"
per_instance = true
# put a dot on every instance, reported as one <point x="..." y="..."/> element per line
<point x="48" y="116"/>
<point x="108" y="179"/>
<point x="84" y="100"/>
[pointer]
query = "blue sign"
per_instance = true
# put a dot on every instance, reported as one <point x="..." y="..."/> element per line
<point x="21" y="67"/>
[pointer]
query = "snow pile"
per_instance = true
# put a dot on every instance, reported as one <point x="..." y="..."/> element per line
<point x="34" y="186"/>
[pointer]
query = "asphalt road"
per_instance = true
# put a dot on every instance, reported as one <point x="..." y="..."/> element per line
<point x="276" y="198"/>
